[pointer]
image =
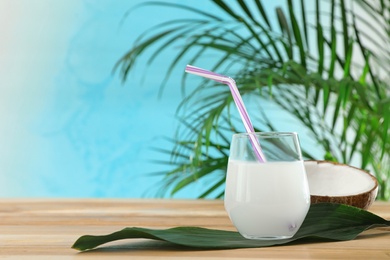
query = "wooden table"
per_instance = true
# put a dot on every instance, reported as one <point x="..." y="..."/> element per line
<point x="46" y="229"/>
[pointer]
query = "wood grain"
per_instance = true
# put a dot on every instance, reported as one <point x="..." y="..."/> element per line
<point x="46" y="229"/>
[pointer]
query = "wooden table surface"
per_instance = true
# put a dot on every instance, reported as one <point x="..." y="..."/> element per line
<point x="47" y="228"/>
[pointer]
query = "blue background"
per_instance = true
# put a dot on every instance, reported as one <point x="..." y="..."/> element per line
<point x="69" y="127"/>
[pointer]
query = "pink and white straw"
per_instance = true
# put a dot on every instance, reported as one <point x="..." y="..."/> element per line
<point x="239" y="103"/>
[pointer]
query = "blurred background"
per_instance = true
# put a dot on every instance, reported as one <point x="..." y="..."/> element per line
<point x="70" y="126"/>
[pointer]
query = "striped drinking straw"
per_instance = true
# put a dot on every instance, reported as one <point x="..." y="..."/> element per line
<point x="239" y="103"/>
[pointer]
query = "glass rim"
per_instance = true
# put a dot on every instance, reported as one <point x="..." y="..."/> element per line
<point x="266" y="134"/>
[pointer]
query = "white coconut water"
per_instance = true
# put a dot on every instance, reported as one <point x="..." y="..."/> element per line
<point x="267" y="200"/>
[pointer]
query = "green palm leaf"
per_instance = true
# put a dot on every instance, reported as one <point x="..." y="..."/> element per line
<point x="339" y="99"/>
<point x="324" y="222"/>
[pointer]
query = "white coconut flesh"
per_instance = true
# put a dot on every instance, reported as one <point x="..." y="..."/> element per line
<point x="328" y="179"/>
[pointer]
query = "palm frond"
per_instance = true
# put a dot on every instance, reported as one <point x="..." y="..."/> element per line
<point x="331" y="83"/>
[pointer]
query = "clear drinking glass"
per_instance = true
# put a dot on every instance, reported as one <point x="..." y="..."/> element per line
<point x="266" y="200"/>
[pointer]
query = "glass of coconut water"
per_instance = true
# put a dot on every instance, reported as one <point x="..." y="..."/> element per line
<point x="266" y="200"/>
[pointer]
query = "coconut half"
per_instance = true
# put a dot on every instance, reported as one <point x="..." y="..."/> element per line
<point x="340" y="183"/>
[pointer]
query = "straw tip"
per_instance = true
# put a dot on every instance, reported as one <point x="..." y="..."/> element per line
<point x="187" y="67"/>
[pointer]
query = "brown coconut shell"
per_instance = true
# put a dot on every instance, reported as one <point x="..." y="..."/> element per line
<point x="362" y="200"/>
